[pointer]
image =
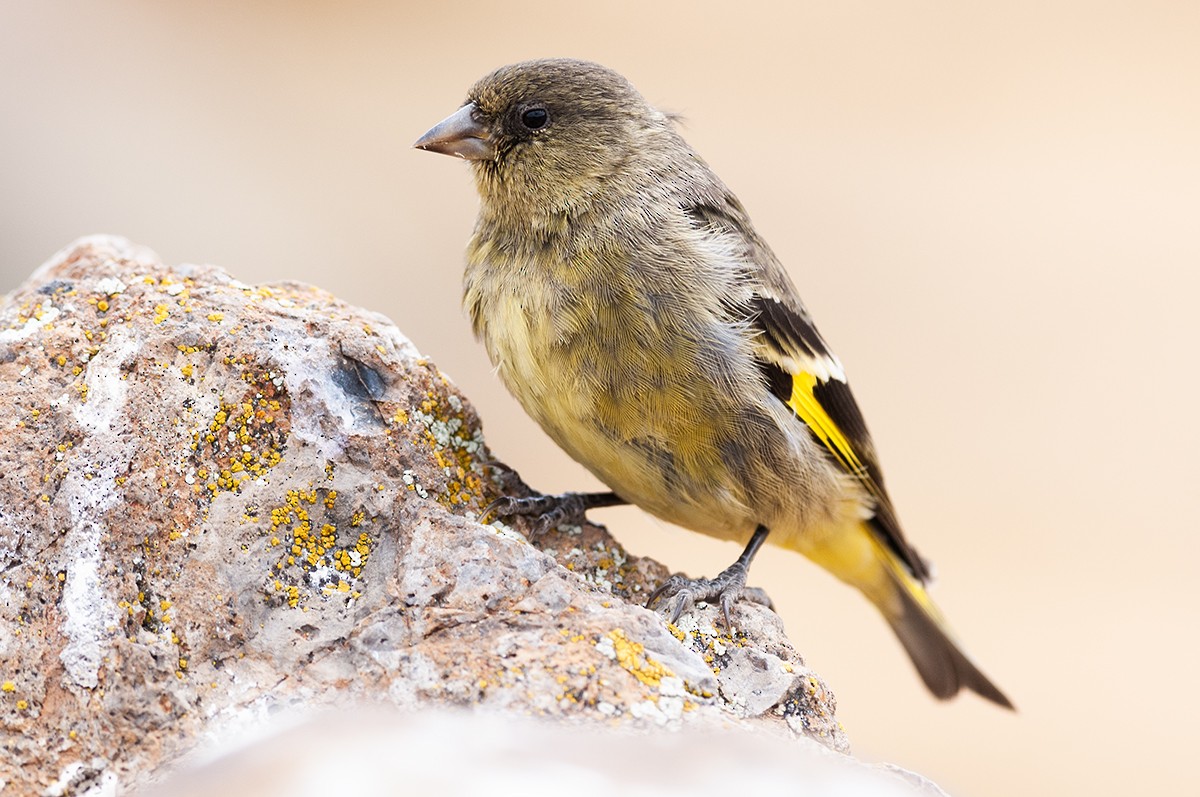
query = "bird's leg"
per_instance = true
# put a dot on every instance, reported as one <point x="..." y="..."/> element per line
<point x="682" y="592"/>
<point x="551" y="510"/>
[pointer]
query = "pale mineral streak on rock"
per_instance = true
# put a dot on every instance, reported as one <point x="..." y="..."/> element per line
<point x="108" y="451"/>
<point x="220" y="503"/>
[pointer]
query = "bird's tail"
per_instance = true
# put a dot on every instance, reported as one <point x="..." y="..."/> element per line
<point x="859" y="558"/>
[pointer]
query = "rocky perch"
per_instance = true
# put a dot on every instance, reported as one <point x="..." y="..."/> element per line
<point x="221" y="501"/>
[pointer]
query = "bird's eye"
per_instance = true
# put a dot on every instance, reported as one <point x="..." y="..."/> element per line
<point x="535" y="118"/>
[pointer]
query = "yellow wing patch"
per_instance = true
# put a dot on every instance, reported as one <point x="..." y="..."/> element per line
<point x="805" y="404"/>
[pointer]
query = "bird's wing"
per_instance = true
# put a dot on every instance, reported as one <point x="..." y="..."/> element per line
<point x="804" y="374"/>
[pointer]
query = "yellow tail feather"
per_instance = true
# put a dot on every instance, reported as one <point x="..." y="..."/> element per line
<point x="858" y="557"/>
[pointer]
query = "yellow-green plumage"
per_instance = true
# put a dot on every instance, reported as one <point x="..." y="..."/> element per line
<point x="629" y="305"/>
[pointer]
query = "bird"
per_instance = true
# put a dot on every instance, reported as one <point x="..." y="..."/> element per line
<point x="628" y="303"/>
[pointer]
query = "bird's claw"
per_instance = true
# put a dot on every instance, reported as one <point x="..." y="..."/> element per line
<point x="549" y="511"/>
<point x="682" y="593"/>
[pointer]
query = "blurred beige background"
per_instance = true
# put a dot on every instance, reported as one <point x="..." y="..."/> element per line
<point x="993" y="209"/>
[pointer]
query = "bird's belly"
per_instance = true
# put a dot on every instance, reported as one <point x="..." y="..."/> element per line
<point x="641" y="469"/>
<point x="641" y="426"/>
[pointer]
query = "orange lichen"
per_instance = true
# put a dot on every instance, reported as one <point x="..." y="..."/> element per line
<point x="311" y="547"/>
<point x="633" y="658"/>
<point x="245" y="438"/>
<point x="455" y="445"/>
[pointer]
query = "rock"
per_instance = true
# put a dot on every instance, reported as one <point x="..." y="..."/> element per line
<point x="221" y="502"/>
<point x="466" y="755"/>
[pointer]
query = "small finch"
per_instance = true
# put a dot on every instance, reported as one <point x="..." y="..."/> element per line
<point x="628" y="303"/>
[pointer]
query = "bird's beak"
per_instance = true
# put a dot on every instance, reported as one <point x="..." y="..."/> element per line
<point x="459" y="134"/>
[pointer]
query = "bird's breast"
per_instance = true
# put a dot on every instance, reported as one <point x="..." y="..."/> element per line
<point x="632" y="387"/>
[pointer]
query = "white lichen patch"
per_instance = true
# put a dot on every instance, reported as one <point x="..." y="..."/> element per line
<point x="45" y="314"/>
<point x="606" y="647"/>
<point x="322" y="576"/>
<point x="449" y="433"/>
<point x="110" y="286"/>
<point x="502" y="529"/>
<point x="8" y="639"/>
<point x="672" y="686"/>
<point x="649" y="710"/>
<point x="696" y="622"/>
<point x="100" y="780"/>
<point x="410" y="479"/>
<point x="671" y="707"/>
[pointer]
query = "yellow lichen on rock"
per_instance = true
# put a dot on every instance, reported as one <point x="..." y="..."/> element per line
<point x="633" y="658"/>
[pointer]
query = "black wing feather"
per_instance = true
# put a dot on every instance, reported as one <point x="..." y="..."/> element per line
<point x="778" y="325"/>
<point x="788" y="336"/>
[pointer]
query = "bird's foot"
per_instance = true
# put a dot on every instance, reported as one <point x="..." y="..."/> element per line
<point x="550" y="511"/>
<point x="681" y="592"/>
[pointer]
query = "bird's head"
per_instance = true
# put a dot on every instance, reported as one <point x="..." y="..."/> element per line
<point x="548" y="133"/>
